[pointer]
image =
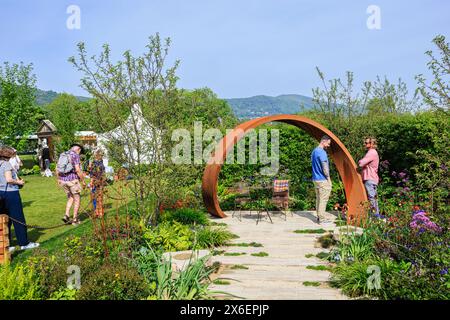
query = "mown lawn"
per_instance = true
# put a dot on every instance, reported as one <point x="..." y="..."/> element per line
<point x="44" y="205"/>
<point x="28" y="160"/>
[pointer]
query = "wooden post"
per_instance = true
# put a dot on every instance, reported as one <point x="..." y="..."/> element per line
<point x="4" y="239"/>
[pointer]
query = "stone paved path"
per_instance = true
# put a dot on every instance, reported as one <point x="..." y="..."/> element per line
<point x="281" y="274"/>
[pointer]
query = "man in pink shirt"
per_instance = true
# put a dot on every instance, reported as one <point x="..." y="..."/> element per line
<point x="369" y="165"/>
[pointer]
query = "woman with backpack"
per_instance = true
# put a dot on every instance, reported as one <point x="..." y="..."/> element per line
<point x="10" y="200"/>
<point x="71" y="179"/>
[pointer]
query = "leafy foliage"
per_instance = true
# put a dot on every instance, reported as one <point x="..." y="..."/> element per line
<point x="187" y="216"/>
<point x="208" y="237"/>
<point x="437" y="92"/>
<point x="189" y="284"/>
<point x="172" y="236"/>
<point x="20" y="116"/>
<point x="115" y="282"/>
<point x="18" y="283"/>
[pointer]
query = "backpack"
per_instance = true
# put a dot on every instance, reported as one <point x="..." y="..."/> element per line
<point x="64" y="163"/>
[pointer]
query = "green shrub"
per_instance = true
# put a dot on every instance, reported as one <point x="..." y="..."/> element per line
<point x="26" y="172"/>
<point x="190" y="284"/>
<point x="354" y="247"/>
<point x="64" y="294"/>
<point x="209" y="237"/>
<point x="51" y="270"/>
<point x="18" y="283"/>
<point x="187" y="216"/>
<point x="415" y="284"/>
<point x="227" y="201"/>
<point x="298" y="204"/>
<point x="115" y="282"/>
<point x="327" y="240"/>
<point x="171" y="236"/>
<point x="36" y="169"/>
<point x="352" y="278"/>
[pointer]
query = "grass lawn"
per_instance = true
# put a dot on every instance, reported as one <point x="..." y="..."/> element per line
<point x="44" y="205"/>
<point x="28" y="160"/>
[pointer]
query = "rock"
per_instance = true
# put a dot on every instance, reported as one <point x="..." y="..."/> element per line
<point x="180" y="259"/>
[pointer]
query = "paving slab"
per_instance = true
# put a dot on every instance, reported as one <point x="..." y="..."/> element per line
<point x="281" y="274"/>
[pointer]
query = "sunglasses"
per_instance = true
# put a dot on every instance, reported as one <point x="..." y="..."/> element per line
<point x="366" y="142"/>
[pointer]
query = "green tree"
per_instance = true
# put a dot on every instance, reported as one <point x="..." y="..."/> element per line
<point x="20" y="116"/>
<point x="63" y="113"/>
<point x="437" y="93"/>
<point x="144" y="90"/>
<point x="352" y="115"/>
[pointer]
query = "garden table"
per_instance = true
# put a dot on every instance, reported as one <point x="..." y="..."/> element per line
<point x="259" y="195"/>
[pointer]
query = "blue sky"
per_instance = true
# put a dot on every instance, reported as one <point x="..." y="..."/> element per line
<point x="237" y="48"/>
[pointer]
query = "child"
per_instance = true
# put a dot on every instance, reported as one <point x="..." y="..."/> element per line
<point x="98" y="179"/>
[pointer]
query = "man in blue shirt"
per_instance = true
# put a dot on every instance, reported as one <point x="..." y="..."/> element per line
<point x="321" y="177"/>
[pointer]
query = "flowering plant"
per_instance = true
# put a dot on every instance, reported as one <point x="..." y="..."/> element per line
<point x="420" y="222"/>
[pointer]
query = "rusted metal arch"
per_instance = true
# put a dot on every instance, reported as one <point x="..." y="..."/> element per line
<point x="346" y="166"/>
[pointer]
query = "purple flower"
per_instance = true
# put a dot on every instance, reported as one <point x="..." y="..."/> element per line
<point x="443" y="271"/>
<point x="401" y="175"/>
<point x="421" y="222"/>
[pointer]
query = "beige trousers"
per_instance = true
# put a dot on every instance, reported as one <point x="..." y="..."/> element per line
<point x="323" y="191"/>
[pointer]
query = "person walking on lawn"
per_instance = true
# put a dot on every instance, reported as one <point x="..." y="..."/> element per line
<point x="11" y="203"/>
<point x="45" y="157"/>
<point x="98" y="181"/>
<point x="71" y="179"/>
<point x="15" y="161"/>
<point x="321" y="177"/>
<point x="369" y="173"/>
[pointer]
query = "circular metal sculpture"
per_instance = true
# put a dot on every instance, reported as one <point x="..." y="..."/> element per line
<point x="353" y="186"/>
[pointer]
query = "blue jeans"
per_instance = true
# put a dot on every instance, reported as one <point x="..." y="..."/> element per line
<point x="14" y="209"/>
<point x="47" y="164"/>
<point x="371" y="188"/>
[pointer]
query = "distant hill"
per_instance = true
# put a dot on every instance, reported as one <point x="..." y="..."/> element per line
<point x="261" y="105"/>
<point x="243" y="108"/>
<point x="45" y="97"/>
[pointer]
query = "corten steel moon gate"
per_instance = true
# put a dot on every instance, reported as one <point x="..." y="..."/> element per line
<point x="353" y="186"/>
